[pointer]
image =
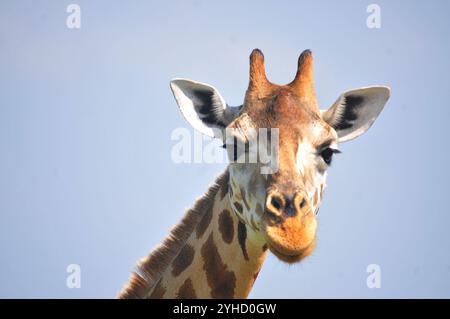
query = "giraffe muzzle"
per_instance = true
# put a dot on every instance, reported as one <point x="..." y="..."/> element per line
<point x="289" y="225"/>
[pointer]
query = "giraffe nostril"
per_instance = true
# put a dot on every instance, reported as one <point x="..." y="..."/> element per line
<point x="276" y="202"/>
<point x="279" y="204"/>
<point x="302" y="203"/>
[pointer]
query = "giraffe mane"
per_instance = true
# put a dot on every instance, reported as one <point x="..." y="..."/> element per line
<point x="150" y="269"/>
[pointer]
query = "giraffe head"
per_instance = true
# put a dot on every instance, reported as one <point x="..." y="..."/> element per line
<point x="280" y="205"/>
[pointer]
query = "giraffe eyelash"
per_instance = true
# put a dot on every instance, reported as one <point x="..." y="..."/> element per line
<point x="326" y="153"/>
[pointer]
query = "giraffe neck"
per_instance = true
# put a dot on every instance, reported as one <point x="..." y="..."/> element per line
<point x="210" y="254"/>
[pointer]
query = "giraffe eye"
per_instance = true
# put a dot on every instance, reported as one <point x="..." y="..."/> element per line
<point x="327" y="154"/>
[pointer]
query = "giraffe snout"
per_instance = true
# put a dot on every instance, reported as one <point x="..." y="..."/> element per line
<point x="281" y="205"/>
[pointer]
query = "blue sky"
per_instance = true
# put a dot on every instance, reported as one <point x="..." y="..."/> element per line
<point x="86" y="116"/>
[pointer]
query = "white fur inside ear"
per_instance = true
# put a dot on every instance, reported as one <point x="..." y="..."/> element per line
<point x="355" y="111"/>
<point x="188" y="101"/>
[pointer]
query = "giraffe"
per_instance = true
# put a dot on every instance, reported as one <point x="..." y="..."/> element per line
<point x="218" y="248"/>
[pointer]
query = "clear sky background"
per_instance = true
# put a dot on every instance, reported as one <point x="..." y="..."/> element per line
<point x="86" y="115"/>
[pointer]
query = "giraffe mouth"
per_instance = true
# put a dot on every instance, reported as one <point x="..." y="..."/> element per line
<point x="291" y="257"/>
<point x="292" y="239"/>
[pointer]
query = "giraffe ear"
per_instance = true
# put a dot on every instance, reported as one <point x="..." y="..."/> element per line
<point x="355" y="111"/>
<point x="202" y="106"/>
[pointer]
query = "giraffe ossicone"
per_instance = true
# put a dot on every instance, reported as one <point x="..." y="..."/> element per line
<point x="218" y="248"/>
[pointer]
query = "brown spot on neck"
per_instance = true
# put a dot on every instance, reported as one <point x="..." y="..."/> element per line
<point x="221" y="281"/>
<point x="204" y="223"/>
<point x="187" y="290"/>
<point x="226" y="227"/>
<point x="242" y="238"/>
<point x="183" y="260"/>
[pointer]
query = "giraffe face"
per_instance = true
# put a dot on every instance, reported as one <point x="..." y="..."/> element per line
<point x="280" y="206"/>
